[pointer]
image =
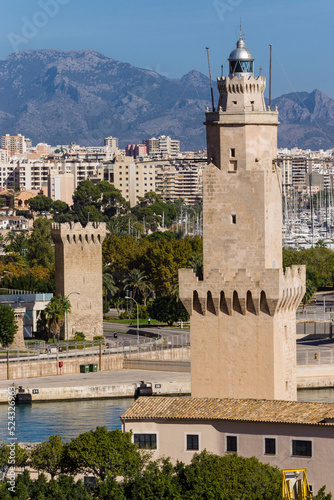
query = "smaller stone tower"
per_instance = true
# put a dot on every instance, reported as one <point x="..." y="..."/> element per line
<point x="79" y="269"/>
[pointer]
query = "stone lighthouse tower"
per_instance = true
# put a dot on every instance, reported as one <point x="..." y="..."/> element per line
<point x="243" y="312"/>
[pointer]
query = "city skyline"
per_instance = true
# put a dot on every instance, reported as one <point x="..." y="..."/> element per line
<point x="171" y="38"/>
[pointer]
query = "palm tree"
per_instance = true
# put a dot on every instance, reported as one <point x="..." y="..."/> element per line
<point x="55" y="314"/>
<point x="17" y="242"/>
<point x="108" y="282"/>
<point x="137" y="281"/>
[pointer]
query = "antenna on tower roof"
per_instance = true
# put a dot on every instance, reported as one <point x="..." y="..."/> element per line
<point x="270" y="76"/>
<point x="241" y="34"/>
<point x="212" y="99"/>
<point x="222" y="66"/>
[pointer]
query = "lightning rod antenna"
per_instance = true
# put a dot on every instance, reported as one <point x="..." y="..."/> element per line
<point x="213" y="102"/>
<point x="270" y="75"/>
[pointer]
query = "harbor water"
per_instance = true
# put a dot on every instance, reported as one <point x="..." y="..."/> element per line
<point x="36" y="422"/>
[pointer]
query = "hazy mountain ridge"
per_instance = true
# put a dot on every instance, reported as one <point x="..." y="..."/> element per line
<point x="307" y="120"/>
<point x="83" y="96"/>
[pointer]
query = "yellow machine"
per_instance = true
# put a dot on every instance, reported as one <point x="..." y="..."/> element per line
<point x="295" y="485"/>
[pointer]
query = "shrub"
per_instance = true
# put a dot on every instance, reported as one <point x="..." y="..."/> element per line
<point x="124" y="315"/>
<point x="79" y="336"/>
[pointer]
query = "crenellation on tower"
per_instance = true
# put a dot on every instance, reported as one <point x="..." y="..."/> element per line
<point x="78" y="252"/>
<point x="243" y="312"/>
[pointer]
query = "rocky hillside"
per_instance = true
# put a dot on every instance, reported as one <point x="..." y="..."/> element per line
<point x="83" y="96"/>
<point x="307" y="120"/>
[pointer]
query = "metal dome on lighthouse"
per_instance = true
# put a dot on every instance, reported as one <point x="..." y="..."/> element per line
<point x="241" y="59"/>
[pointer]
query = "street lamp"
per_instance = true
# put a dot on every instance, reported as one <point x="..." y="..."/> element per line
<point x="130" y="298"/>
<point x="78" y="293"/>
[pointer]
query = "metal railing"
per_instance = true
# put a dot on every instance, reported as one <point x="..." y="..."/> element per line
<point x="313" y="314"/>
<point x="40" y="351"/>
<point x="315" y="356"/>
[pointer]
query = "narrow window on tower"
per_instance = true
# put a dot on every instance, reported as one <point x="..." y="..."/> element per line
<point x="233" y="219"/>
<point x="232" y="153"/>
<point x="233" y="167"/>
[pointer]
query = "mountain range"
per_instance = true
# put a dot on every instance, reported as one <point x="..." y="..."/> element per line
<point x="83" y="96"/>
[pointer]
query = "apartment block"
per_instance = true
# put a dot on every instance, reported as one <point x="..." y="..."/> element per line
<point x="111" y="142"/>
<point x="61" y="186"/>
<point x="135" y="150"/>
<point x="163" y="147"/>
<point x="132" y="178"/>
<point x="180" y="180"/>
<point x="14" y="144"/>
<point x="3" y="156"/>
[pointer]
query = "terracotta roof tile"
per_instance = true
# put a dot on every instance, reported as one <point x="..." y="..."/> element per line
<point x="254" y="410"/>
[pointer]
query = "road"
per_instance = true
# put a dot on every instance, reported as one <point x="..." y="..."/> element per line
<point x="175" y="335"/>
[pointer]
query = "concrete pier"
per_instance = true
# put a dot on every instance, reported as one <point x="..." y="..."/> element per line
<point x="105" y="384"/>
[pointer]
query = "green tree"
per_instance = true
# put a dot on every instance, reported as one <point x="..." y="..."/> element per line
<point x="55" y="314"/>
<point x="40" y="249"/>
<point x="322" y="495"/>
<point x="112" y="202"/>
<point x="168" y="309"/>
<point x="102" y="453"/>
<point x="157" y="481"/>
<point x="148" y="199"/>
<point x="108" y="282"/>
<point x="40" y="203"/>
<point x="21" y="456"/>
<point x="196" y="263"/>
<point x="17" y="242"/>
<point x="60" y="207"/>
<point x="28" y="282"/>
<point x="61" y="212"/>
<point x="137" y="281"/>
<point x="310" y="291"/>
<point x="8" y="325"/>
<point x="48" y="456"/>
<point x="226" y="477"/>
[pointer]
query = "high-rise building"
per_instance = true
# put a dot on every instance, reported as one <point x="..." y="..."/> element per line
<point x="164" y="147"/>
<point x="61" y="186"/>
<point x="111" y="142"/>
<point x="15" y="144"/>
<point x="243" y="312"/>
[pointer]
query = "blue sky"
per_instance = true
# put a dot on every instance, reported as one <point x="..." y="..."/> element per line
<point x="170" y="36"/>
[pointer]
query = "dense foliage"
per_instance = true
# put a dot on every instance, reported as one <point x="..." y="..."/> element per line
<point x="122" y="472"/>
<point x="8" y="325"/>
<point x="319" y="263"/>
<point x="168" y="309"/>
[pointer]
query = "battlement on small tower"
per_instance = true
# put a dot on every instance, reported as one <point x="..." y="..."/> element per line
<point x="74" y="232"/>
